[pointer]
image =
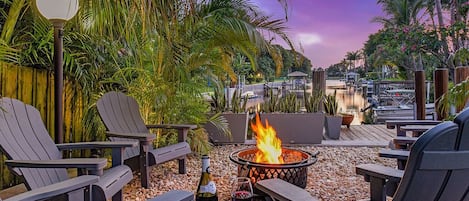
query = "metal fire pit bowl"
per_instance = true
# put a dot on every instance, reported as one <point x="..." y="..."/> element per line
<point x="294" y="170"/>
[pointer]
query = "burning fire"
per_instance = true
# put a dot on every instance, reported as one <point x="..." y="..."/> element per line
<point x="268" y="145"/>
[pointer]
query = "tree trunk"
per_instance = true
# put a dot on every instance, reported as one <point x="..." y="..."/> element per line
<point x="441" y="24"/>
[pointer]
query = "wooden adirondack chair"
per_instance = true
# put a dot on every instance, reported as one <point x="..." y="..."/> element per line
<point x="437" y="167"/>
<point x="34" y="156"/>
<point x="121" y="116"/>
<point x="50" y="191"/>
<point x="85" y="181"/>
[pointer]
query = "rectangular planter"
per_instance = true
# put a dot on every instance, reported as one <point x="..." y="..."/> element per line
<point x="238" y="124"/>
<point x="297" y="128"/>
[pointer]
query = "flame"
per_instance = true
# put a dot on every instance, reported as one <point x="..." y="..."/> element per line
<point x="268" y="145"/>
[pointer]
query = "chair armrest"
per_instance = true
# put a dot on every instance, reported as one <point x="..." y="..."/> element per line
<point x="173" y="126"/>
<point x="96" y="145"/>
<point x="379" y="171"/>
<point x="94" y="165"/>
<point x="142" y="137"/>
<point x="394" y="153"/>
<point x="404" y="141"/>
<point x="383" y="180"/>
<point x="56" y="188"/>
<point x="283" y="191"/>
<point x="183" y="129"/>
<point x="391" y="124"/>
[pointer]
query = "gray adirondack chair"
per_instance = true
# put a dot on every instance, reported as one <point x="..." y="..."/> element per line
<point x="121" y="116"/>
<point x="85" y="181"/>
<point x="53" y="190"/>
<point x="437" y="167"/>
<point x="33" y="155"/>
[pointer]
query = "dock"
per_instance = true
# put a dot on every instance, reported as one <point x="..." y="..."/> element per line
<point x="368" y="135"/>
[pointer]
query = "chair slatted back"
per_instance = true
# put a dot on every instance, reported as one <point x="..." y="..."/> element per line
<point x="120" y="113"/>
<point x="438" y="165"/>
<point x="24" y="137"/>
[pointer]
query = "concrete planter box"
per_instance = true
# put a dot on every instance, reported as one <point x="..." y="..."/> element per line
<point x="238" y="124"/>
<point x="297" y="128"/>
<point x="333" y="126"/>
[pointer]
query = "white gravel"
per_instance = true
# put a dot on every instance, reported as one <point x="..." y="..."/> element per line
<point x="332" y="177"/>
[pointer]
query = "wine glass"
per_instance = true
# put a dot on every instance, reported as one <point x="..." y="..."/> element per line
<point x="241" y="189"/>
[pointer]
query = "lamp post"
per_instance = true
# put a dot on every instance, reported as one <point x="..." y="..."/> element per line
<point x="58" y="12"/>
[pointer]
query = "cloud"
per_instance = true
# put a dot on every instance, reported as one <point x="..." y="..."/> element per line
<point x="308" y="38"/>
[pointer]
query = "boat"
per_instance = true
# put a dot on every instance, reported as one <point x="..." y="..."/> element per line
<point x="249" y="95"/>
<point x="401" y="112"/>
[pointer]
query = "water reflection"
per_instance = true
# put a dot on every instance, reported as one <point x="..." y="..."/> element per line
<point x="350" y="99"/>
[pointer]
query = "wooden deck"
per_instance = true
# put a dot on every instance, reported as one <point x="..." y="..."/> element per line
<point x="362" y="135"/>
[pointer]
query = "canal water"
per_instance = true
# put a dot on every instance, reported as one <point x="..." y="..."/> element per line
<point x="351" y="99"/>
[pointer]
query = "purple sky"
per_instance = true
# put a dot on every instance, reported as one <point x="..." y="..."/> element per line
<point x="327" y="29"/>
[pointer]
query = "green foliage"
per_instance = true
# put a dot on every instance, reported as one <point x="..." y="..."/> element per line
<point x="456" y="96"/>
<point x="219" y="98"/>
<point x="313" y="101"/>
<point x="219" y="103"/>
<point x="238" y="103"/>
<point x="331" y="104"/>
<point x="241" y="66"/>
<point x="272" y="103"/>
<point x="289" y="104"/>
<point x="368" y="117"/>
<point x="402" y="46"/>
<point x="291" y="61"/>
<point x="460" y="57"/>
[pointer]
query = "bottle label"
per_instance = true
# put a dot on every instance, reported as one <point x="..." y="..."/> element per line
<point x="209" y="188"/>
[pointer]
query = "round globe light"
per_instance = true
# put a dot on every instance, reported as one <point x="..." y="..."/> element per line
<point x="57" y="10"/>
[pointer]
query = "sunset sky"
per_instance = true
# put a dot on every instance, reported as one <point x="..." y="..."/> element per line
<point x="327" y="29"/>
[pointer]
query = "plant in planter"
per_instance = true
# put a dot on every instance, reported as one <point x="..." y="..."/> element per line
<point x="271" y="104"/>
<point x="289" y="104"/>
<point x="292" y="126"/>
<point x="229" y="124"/>
<point x="333" y="121"/>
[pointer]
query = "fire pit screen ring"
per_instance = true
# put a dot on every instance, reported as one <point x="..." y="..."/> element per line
<point x="294" y="170"/>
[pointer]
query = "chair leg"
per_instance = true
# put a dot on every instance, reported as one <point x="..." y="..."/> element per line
<point x="182" y="165"/>
<point x="401" y="164"/>
<point x="117" y="196"/>
<point x="377" y="190"/>
<point x="182" y="135"/>
<point x="144" y="171"/>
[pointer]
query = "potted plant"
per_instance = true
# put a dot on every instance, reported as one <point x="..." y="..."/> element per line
<point x="233" y="116"/>
<point x="333" y="121"/>
<point x="293" y="126"/>
<point x="346" y="119"/>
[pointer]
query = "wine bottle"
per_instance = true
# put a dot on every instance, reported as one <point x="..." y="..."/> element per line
<point x="206" y="190"/>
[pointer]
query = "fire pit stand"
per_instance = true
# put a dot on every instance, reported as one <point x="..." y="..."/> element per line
<point x="294" y="170"/>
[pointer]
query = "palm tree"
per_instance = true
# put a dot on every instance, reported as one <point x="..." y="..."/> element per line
<point x="159" y="51"/>
<point x="352" y="57"/>
<point x="400" y="12"/>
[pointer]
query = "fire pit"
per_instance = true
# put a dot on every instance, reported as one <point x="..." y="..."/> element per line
<point x="294" y="169"/>
<point x="270" y="160"/>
